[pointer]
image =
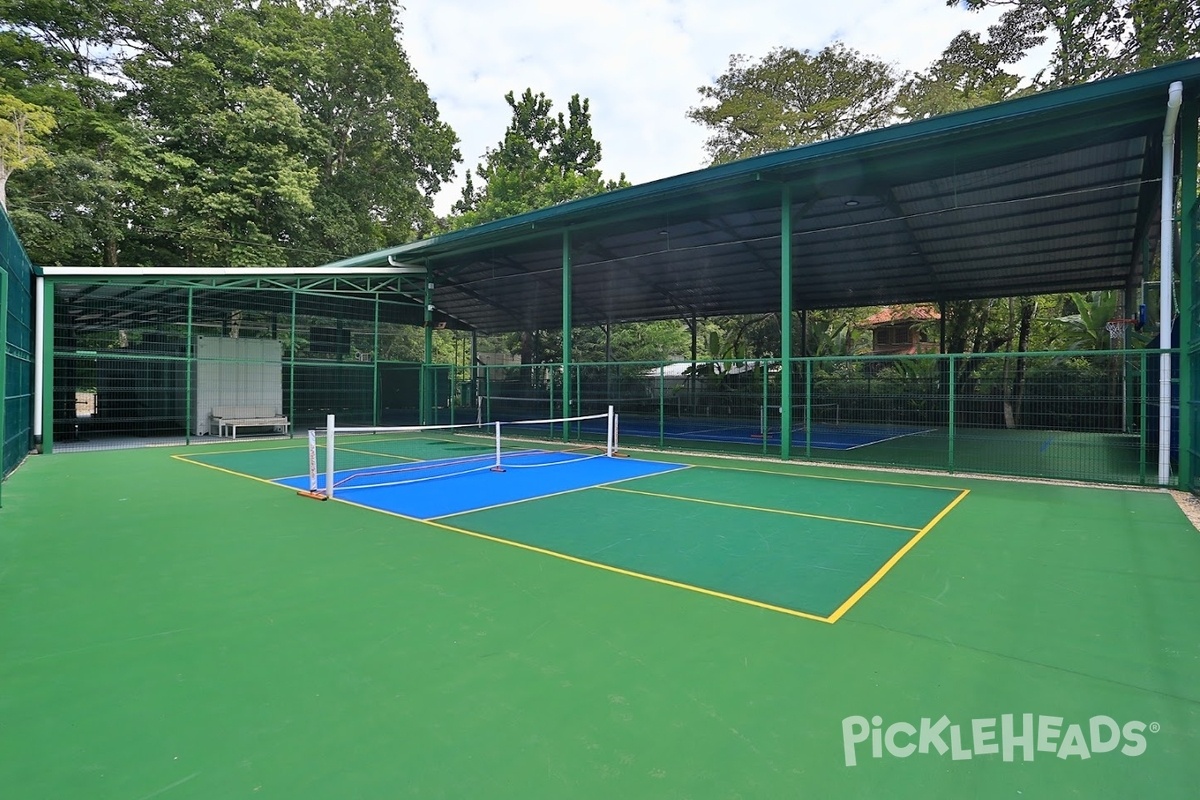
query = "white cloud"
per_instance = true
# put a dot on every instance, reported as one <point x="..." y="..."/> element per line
<point x="639" y="62"/>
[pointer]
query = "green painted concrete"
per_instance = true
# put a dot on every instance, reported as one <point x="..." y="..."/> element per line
<point x="172" y="631"/>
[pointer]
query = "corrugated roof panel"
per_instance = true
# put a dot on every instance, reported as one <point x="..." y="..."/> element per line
<point x="1049" y="192"/>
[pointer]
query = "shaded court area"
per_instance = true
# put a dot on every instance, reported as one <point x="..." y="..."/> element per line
<point x="184" y="632"/>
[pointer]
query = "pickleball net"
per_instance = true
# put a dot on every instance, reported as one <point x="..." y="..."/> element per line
<point x="341" y="458"/>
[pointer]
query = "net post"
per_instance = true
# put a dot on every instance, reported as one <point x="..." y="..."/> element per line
<point x="329" y="428"/>
<point x="496" y="467"/>
<point x="611" y="444"/>
<point x="312" y="460"/>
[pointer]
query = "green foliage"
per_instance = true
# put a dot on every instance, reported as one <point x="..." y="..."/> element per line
<point x="792" y="97"/>
<point x="23" y="127"/>
<point x="1098" y="38"/>
<point x="226" y="132"/>
<point x="969" y="73"/>
<point x="542" y="161"/>
<point x="1086" y="328"/>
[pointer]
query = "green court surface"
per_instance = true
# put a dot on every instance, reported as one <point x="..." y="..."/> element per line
<point x="172" y="631"/>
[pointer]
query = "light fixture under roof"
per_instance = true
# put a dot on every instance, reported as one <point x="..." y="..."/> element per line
<point x="851" y="203"/>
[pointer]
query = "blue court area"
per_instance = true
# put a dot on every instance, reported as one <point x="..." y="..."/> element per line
<point x="445" y="487"/>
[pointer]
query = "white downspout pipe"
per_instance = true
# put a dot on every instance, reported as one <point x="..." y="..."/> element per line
<point x="39" y="358"/>
<point x="1167" y="237"/>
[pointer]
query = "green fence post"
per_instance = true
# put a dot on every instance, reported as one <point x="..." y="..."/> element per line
<point x="953" y="369"/>
<point x="785" y="317"/>
<point x="47" y="312"/>
<point x="376" y="402"/>
<point x="764" y="413"/>
<point x="566" y="329"/>
<point x="426" y="378"/>
<point x="1142" y="424"/>
<point x="292" y="366"/>
<point x="808" y="404"/>
<point x="189" y="370"/>
<point x="1187" y="299"/>
<point x="662" y="405"/>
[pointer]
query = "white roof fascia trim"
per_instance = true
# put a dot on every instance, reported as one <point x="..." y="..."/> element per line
<point x="241" y="272"/>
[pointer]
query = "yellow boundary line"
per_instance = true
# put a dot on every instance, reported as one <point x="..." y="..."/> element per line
<point x="832" y="618"/>
<point x="760" y="508"/>
<point x="187" y="460"/>
<point x="824" y="477"/>
<point x="584" y="562"/>
<point x="891" y="562"/>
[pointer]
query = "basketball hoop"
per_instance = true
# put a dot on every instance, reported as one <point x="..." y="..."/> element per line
<point x="1116" y="329"/>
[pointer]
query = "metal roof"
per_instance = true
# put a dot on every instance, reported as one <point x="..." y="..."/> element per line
<point x="1047" y="193"/>
<point x="97" y="299"/>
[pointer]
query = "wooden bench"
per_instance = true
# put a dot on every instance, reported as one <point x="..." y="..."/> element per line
<point x="230" y="418"/>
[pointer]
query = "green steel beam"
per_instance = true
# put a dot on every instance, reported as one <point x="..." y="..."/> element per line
<point x="952" y="369"/>
<point x="426" y="382"/>
<point x="306" y="285"/>
<point x="3" y="373"/>
<point x="375" y="387"/>
<point x="292" y="367"/>
<point x="785" y="321"/>
<point x="1188" y="404"/>
<point x="188" y="374"/>
<point x="566" y="330"/>
<point x="47" y="317"/>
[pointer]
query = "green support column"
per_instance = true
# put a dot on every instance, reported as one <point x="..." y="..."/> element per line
<point x="291" y="409"/>
<point x="1142" y="422"/>
<point x="952" y="369"/>
<point x="48" y="368"/>
<point x="423" y="413"/>
<point x="785" y="320"/>
<point x="375" y="403"/>
<point x="1187" y="294"/>
<point x="189" y="422"/>
<point x="566" y="330"/>
<point x="474" y="373"/>
<point x="3" y="370"/>
<point x="808" y="404"/>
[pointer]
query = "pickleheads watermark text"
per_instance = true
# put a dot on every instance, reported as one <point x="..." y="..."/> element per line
<point x="1009" y="737"/>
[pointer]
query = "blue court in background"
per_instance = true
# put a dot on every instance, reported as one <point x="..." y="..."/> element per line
<point x="824" y="436"/>
<point x="441" y="488"/>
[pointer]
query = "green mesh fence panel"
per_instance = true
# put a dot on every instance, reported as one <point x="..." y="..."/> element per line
<point x="137" y="363"/>
<point x="16" y="433"/>
<point x="1191" y="257"/>
<point x="1086" y="416"/>
<point x="177" y="362"/>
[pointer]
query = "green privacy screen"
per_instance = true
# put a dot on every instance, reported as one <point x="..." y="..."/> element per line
<point x="16" y="379"/>
<point x="173" y="361"/>
<point x="139" y="363"/>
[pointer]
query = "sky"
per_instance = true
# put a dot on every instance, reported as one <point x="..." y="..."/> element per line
<point x="640" y="62"/>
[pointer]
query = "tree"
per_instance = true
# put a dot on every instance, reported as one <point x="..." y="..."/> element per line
<point x="1099" y="38"/>
<point x="794" y="97"/>
<point x="969" y="73"/>
<point x="23" y="126"/>
<point x="216" y="132"/>
<point x="1160" y="32"/>
<point x="541" y="161"/>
